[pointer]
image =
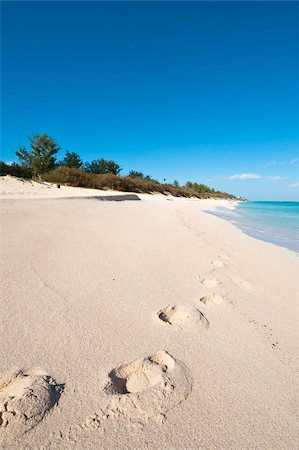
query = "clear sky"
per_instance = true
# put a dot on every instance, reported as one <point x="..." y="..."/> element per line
<point x="201" y="91"/>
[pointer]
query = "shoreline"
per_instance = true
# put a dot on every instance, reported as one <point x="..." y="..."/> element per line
<point x="262" y="233"/>
<point x="84" y="283"/>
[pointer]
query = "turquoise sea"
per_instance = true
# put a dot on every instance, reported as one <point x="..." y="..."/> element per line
<point x="276" y="222"/>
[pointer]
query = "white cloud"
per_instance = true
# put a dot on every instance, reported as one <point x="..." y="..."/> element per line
<point x="281" y="163"/>
<point x="294" y="185"/>
<point x="238" y="176"/>
<point x="276" y="178"/>
<point x="245" y="176"/>
<point x="270" y="163"/>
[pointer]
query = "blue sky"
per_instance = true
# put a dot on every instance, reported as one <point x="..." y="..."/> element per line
<point x="196" y="91"/>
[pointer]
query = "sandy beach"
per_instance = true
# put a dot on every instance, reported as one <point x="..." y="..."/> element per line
<point x="142" y="324"/>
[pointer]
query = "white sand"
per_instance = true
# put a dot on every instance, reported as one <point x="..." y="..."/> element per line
<point x="83" y="282"/>
<point x="11" y="187"/>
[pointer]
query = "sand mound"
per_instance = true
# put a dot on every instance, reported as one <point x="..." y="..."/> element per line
<point x="212" y="299"/>
<point x="146" y="388"/>
<point x="25" y="397"/>
<point x="217" y="263"/>
<point x="184" y="317"/>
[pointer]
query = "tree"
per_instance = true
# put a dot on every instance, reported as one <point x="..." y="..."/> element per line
<point x="101" y="166"/>
<point x="113" y="167"/>
<point x="176" y="183"/>
<point x="41" y="158"/>
<point x="199" y="188"/>
<point x="15" y="170"/>
<point x="136" y="174"/>
<point x="72" y="159"/>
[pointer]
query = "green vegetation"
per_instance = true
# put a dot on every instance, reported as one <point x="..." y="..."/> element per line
<point x="40" y="161"/>
<point x="15" y="170"/>
<point x="136" y="174"/>
<point x="101" y="166"/>
<point x="81" y="178"/>
<point x="72" y="159"/>
<point x="41" y="158"/>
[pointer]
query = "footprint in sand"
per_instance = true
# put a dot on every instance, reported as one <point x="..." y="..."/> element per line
<point x="211" y="282"/>
<point x="25" y="398"/>
<point x="224" y="256"/>
<point x="185" y="317"/>
<point x="241" y="283"/>
<point x="212" y="299"/>
<point x="217" y="263"/>
<point x="144" y="389"/>
<point x="142" y="374"/>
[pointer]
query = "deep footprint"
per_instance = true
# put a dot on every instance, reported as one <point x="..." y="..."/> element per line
<point x="25" y="398"/>
<point x="142" y="374"/>
<point x="145" y="389"/>
<point x="185" y="317"/>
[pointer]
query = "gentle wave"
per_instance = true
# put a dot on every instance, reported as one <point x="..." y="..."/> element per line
<point x="276" y="222"/>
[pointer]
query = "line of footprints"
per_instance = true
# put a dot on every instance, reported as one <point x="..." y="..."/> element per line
<point x="144" y="389"/>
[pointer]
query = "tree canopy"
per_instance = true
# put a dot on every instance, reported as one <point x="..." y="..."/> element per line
<point x="136" y="174"/>
<point x="41" y="156"/>
<point x="199" y="187"/>
<point x="102" y="166"/>
<point x="72" y="159"/>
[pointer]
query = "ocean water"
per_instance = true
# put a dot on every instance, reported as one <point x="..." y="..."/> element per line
<point x="276" y="222"/>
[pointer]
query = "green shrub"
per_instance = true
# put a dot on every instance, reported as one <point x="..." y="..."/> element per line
<point x="71" y="176"/>
<point x="80" y="178"/>
<point x="15" y="170"/>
